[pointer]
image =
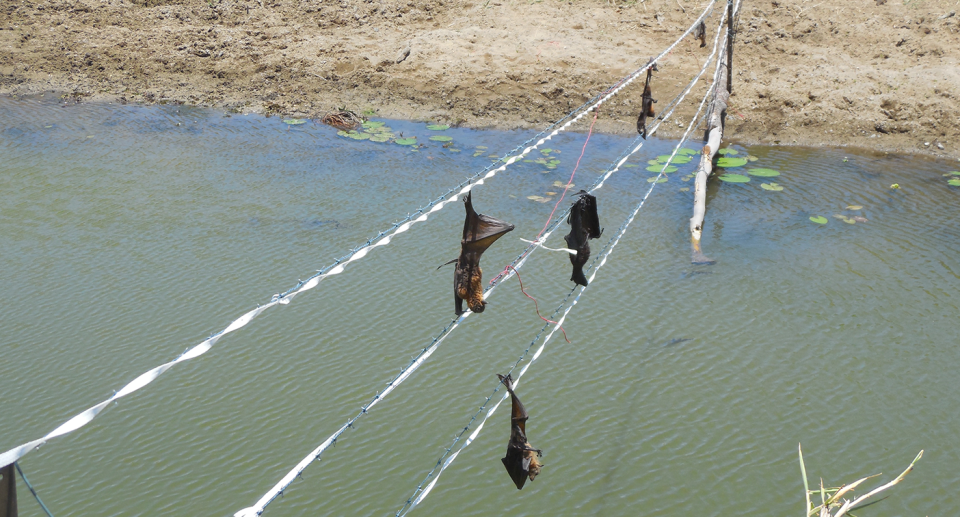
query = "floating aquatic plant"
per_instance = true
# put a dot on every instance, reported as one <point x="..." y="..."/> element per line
<point x="438" y="127"/>
<point x="628" y="165"/>
<point x="726" y="150"/>
<point x="895" y="186"/>
<point x="854" y="207"/>
<point x="819" y="219"/>
<point x="735" y="178"/>
<point x="763" y="173"/>
<point x="729" y="163"/>
<point x="294" y="121"/>
<point x="370" y="124"/>
<point x="685" y="189"/>
<point x="538" y="199"/>
<point x="752" y="158"/>
<point x="773" y="187"/>
<point x="679" y="160"/>
<point x="381" y="138"/>
<point x="654" y="178"/>
<point x="406" y="141"/>
<point x="687" y="152"/>
<point x="954" y="182"/>
<point x="667" y="170"/>
<point x="848" y="220"/>
<point x="441" y="138"/>
<point x="546" y="151"/>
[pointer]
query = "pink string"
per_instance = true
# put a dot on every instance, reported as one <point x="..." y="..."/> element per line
<point x="596" y="112"/>
<point x="535" y="304"/>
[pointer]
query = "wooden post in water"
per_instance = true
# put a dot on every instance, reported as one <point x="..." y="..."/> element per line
<point x="714" y="132"/>
<point x="8" y="492"/>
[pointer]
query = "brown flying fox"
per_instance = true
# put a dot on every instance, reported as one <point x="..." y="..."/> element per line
<point x="701" y="34"/>
<point x="479" y="232"/>
<point x="521" y="459"/>
<point x="646" y="107"/>
<point x="584" y="225"/>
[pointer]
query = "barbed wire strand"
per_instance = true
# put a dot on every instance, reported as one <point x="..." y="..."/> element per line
<point x="426" y="485"/>
<point x="425" y="353"/>
<point x="32" y="491"/>
<point x="383" y="238"/>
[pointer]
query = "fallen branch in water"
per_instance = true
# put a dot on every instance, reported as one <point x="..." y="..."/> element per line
<point x="343" y="120"/>
<point x="834" y="501"/>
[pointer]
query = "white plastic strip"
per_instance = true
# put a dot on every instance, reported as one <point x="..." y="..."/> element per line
<point x="273" y="493"/>
<point x="419" y="497"/>
<point x="83" y="418"/>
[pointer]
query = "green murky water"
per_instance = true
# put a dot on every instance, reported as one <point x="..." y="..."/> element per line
<point x="129" y="234"/>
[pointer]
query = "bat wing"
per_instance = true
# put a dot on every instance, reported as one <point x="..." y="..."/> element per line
<point x="590" y="218"/>
<point x="480" y="231"/>
<point x="577" y="235"/>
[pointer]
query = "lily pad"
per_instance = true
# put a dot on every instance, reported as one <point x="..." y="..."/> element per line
<point x="481" y="147"/>
<point x="563" y="185"/>
<point x="729" y="163"/>
<point x="763" y="173"/>
<point x="679" y="160"/>
<point x="452" y="150"/>
<point x="550" y="193"/>
<point x="735" y="178"/>
<point x="441" y="138"/>
<point x="355" y="135"/>
<point x="726" y="150"/>
<point x="848" y="220"/>
<point x="294" y="121"/>
<point x="661" y="180"/>
<point x="656" y="168"/>
<point x="370" y="124"/>
<point x="629" y="165"/>
<point x="479" y="153"/>
<point x="774" y="187"/>
<point x="752" y="158"/>
<point x="546" y="151"/>
<point x="895" y="186"/>
<point x="438" y="127"/>
<point x="954" y="173"/>
<point x="854" y="207"/>
<point x="685" y="189"/>
<point x="819" y="219"/>
<point x="406" y="141"/>
<point x="954" y="182"/>
<point x="654" y="162"/>
<point x="687" y="152"/>
<point x="539" y="199"/>
<point x="380" y="138"/>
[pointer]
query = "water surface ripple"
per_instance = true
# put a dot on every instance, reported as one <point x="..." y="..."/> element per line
<point x="130" y="233"/>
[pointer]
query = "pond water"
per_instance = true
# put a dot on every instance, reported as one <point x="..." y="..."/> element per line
<point x="131" y="233"/>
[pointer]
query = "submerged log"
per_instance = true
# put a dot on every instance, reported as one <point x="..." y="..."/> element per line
<point x="714" y="133"/>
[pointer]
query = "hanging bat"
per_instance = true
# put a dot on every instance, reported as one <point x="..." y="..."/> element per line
<point x="521" y="459"/>
<point x="584" y="224"/>
<point x="701" y="34"/>
<point x="479" y="232"/>
<point x="646" y="106"/>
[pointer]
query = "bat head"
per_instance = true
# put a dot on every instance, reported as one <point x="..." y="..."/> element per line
<point x="477" y="307"/>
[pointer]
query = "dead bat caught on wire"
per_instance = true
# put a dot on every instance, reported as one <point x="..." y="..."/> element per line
<point x="479" y="232"/>
<point x="646" y="106"/>
<point x="521" y="460"/>
<point x="701" y="34"/>
<point x="584" y="225"/>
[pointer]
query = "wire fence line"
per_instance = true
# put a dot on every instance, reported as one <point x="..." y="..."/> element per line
<point x="338" y="266"/>
<point x="446" y="459"/>
<point x="279" y="488"/>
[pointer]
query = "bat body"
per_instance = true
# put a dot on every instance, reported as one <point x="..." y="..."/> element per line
<point x="521" y="460"/>
<point x="646" y="106"/>
<point x="701" y="34"/>
<point x="584" y="225"/>
<point x="479" y="232"/>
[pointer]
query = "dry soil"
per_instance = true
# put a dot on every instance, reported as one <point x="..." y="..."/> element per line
<point x="877" y="74"/>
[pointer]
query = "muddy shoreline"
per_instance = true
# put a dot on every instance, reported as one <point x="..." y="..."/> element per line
<point x="883" y="76"/>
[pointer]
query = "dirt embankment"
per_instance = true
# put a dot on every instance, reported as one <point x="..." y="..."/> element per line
<point x="874" y="73"/>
